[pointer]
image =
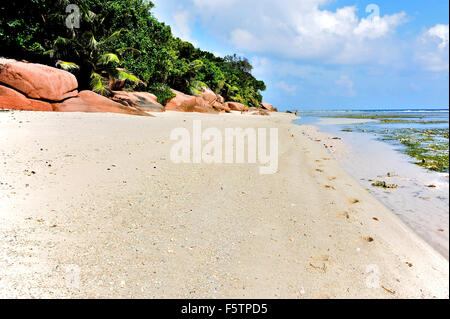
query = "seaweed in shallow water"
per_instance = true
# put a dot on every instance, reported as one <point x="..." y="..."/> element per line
<point x="430" y="147"/>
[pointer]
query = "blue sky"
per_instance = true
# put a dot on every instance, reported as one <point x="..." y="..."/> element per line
<point x="328" y="54"/>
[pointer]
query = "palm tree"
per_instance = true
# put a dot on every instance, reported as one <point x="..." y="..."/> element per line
<point x="89" y="57"/>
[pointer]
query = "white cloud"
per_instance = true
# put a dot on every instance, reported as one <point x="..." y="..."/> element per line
<point x="378" y="27"/>
<point x="440" y="31"/>
<point x="293" y="29"/>
<point x="347" y="84"/>
<point x="182" y="23"/>
<point x="260" y="65"/>
<point x="291" y="89"/>
<point x="297" y="29"/>
<point x="242" y="36"/>
<point x="303" y="44"/>
<point x="182" y="28"/>
<point x="432" y="51"/>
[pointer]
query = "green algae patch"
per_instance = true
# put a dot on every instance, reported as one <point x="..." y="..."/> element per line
<point x="384" y="185"/>
<point x="429" y="147"/>
<point x="390" y="121"/>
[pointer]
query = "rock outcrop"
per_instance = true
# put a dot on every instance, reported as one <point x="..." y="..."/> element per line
<point x="221" y="107"/>
<point x="38" y="81"/>
<point x="234" y="106"/>
<point x="36" y="87"/>
<point x="261" y="112"/>
<point x="267" y="106"/>
<point x="220" y="104"/>
<point x="12" y="99"/>
<point x="216" y="101"/>
<point x="189" y="103"/>
<point x="220" y="99"/>
<point x="208" y="95"/>
<point x="205" y="102"/>
<point x="90" y="102"/>
<point x="146" y="101"/>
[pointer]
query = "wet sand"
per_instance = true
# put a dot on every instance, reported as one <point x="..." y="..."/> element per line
<point x="421" y="199"/>
<point x="91" y="206"/>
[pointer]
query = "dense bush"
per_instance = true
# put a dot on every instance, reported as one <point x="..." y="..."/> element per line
<point x="162" y="92"/>
<point x="120" y="39"/>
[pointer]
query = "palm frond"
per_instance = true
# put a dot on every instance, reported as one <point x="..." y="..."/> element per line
<point x="121" y="74"/>
<point x="128" y="49"/>
<point x="98" y="83"/>
<point x="196" y="64"/>
<point x="93" y="43"/>
<point x="67" y="66"/>
<point x="61" y="40"/>
<point x="91" y="15"/>
<point x="88" y="15"/>
<point x="107" y="58"/>
<point x="113" y="36"/>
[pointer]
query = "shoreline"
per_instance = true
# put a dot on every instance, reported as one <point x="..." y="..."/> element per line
<point x="423" y="208"/>
<point x="106" y="198"/>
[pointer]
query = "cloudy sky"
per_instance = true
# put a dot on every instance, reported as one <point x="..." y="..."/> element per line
<point x="328" y="54"/>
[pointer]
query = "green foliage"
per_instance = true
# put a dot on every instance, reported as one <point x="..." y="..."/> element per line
<point x="230" y="76"/>
<point x="67" y="66"/>
<point x="196" y="87"/>
<point x="150" y="53"/>
<point x="28" y="27"/>
<point x="162" y="92"/>
<point x="102" y="67"/>
<point x="121" y="39"/>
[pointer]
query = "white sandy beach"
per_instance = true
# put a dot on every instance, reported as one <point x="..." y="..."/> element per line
<point x="98" y="193"/>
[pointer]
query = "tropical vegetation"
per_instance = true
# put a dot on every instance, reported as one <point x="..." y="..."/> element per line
<point x="120" y="41"/>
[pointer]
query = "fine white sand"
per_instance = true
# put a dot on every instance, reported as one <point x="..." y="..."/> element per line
<point x="95" y="197"/>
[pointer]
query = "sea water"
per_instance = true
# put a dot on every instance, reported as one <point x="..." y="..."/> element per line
<point x="422" y="197"/>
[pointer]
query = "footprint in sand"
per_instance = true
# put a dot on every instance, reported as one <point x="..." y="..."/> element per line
<point x="367" y="239"/>
<point x="353" y="201"/>
<point x="319" y="170"/>
<point x="319" y="263"/>
<point x="329" y="187"/>
<point x="332" y="179"/>
<point x="350" y="215"/>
